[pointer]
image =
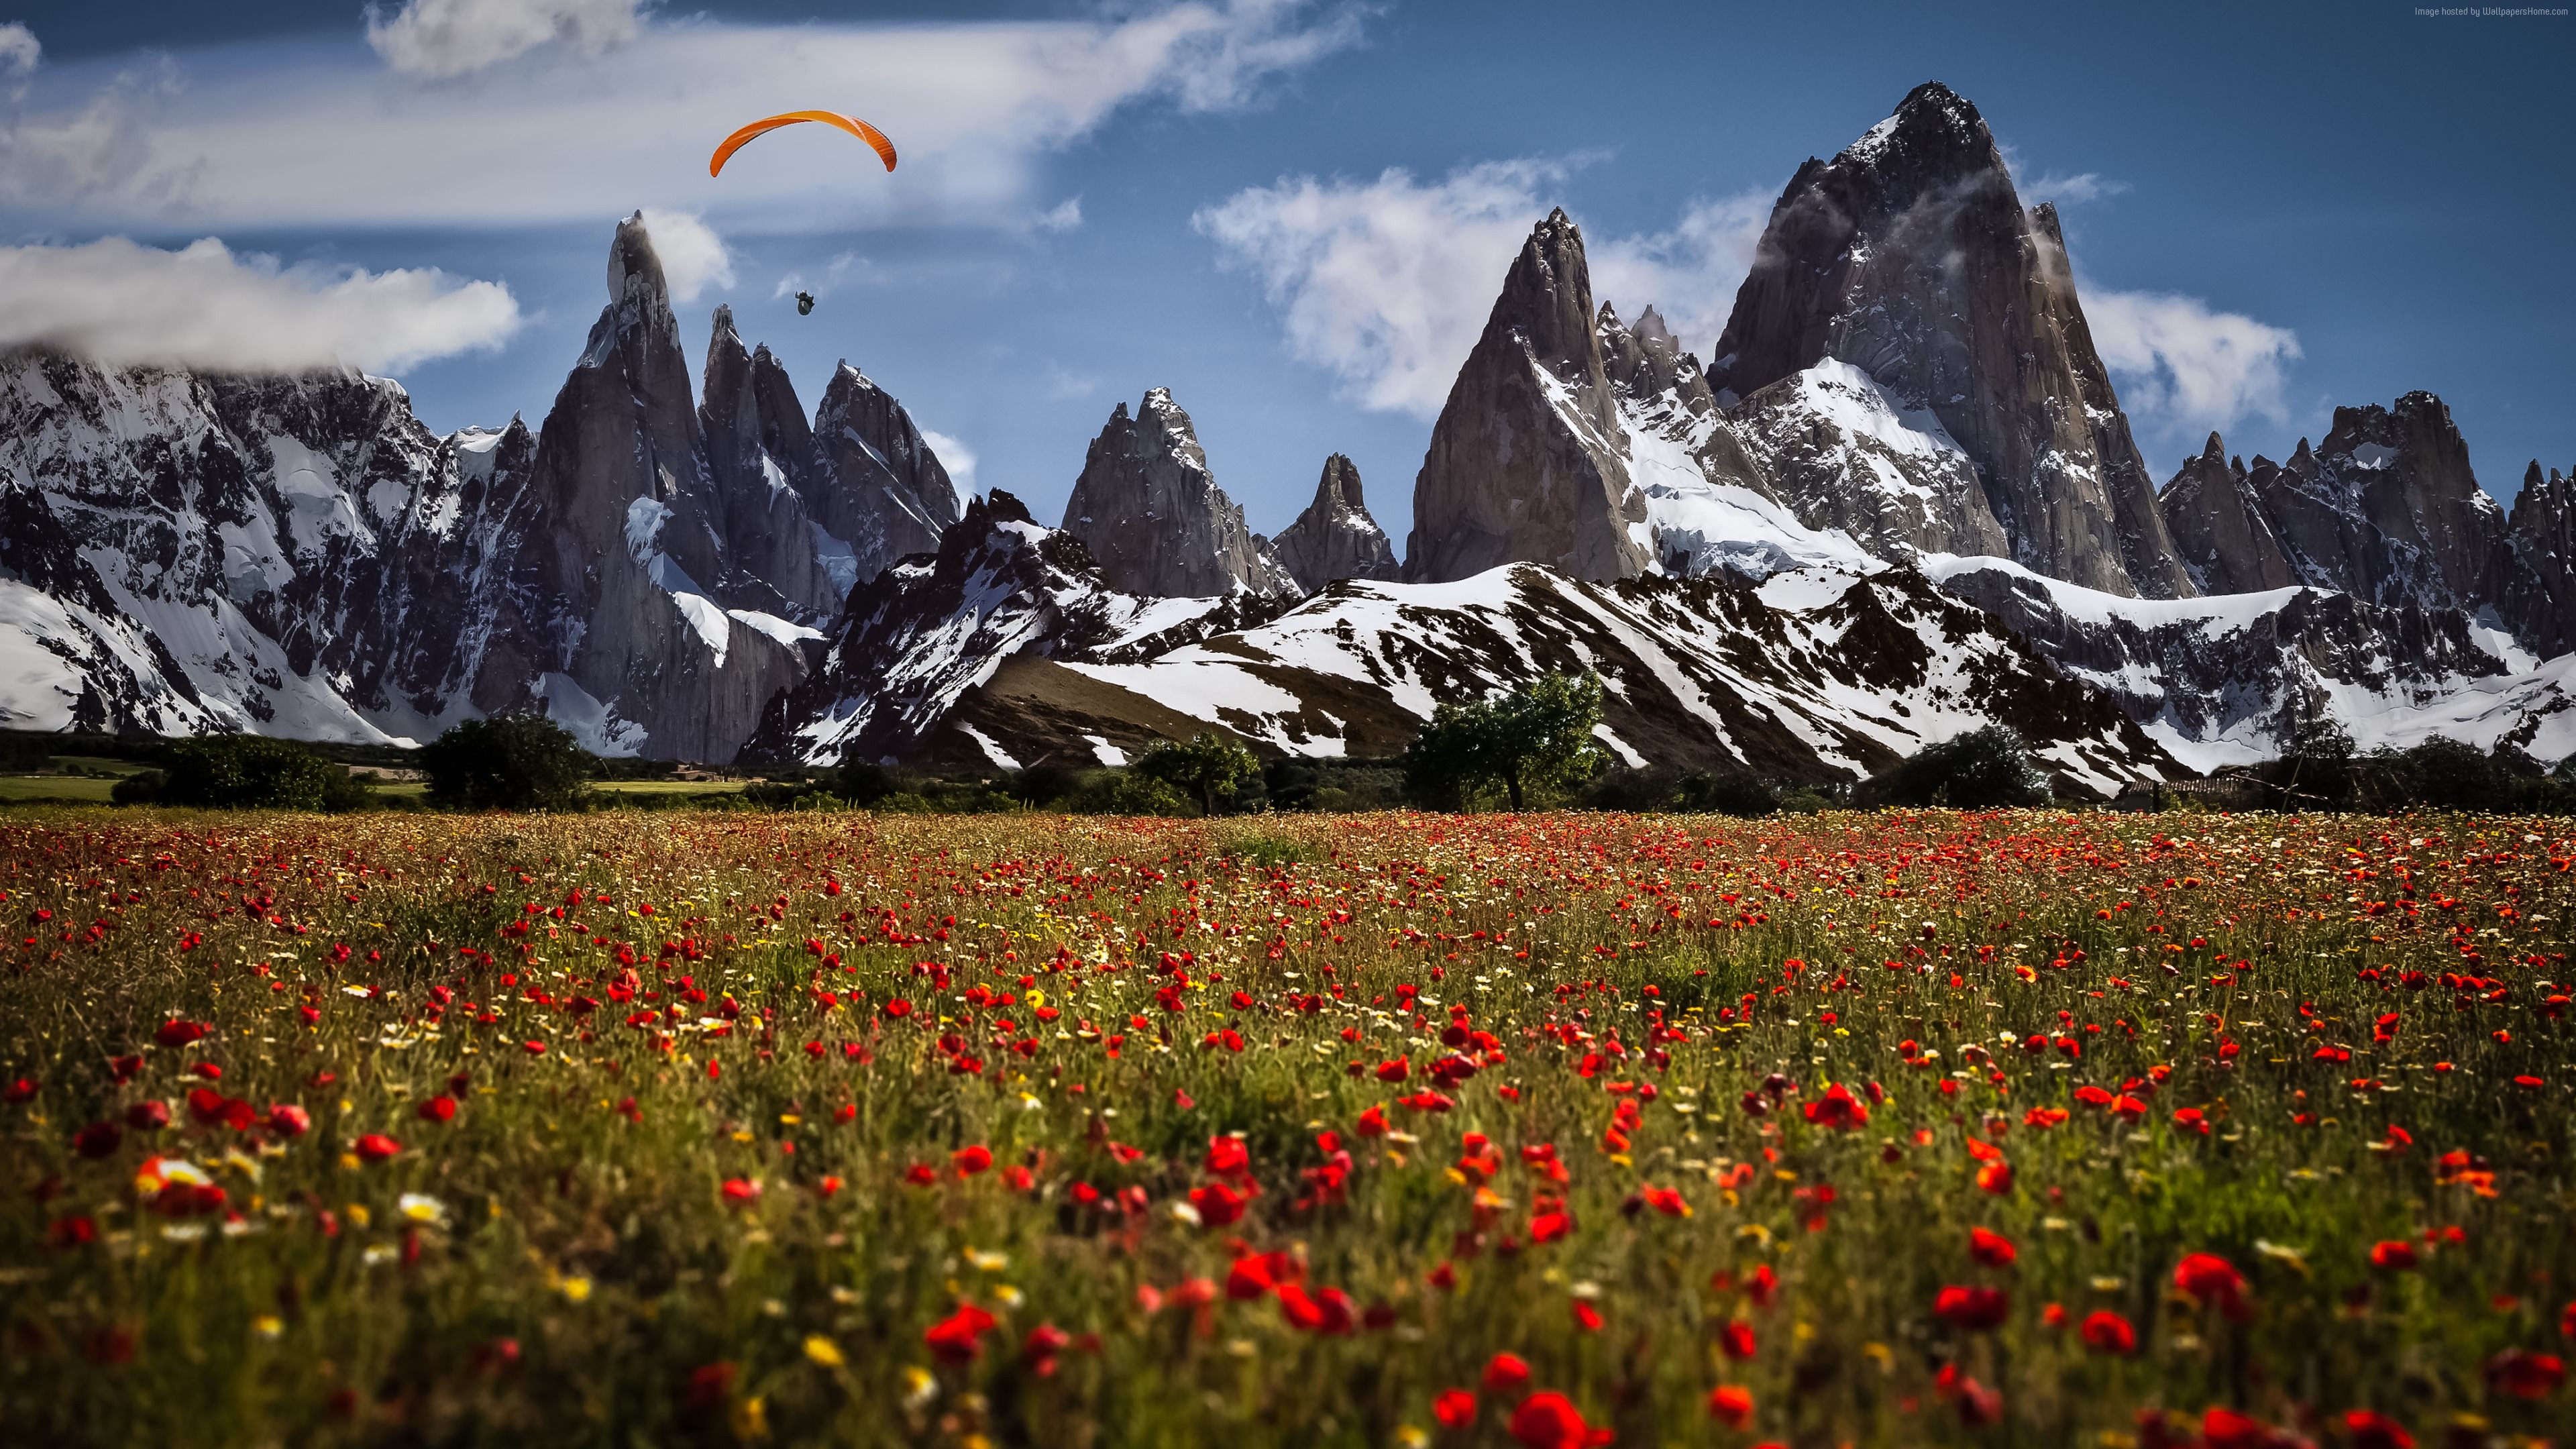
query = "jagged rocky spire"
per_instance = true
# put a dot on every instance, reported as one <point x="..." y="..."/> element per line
<point x="1910" y="257"/>
<point x="1335" y="538"/>
<point x="1151" y="513"/>
<point x="1528" y="460"/>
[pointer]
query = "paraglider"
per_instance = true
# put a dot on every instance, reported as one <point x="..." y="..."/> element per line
<point x="804" y="304"/>
<point x="851" y="124"/>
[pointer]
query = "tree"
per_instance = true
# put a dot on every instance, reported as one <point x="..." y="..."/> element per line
<point x="1983" y="769"/>
<point x="1537" y="737"/>
<point x="244" y="772"/>
<point x="1208" y="766"/>
<point x="2315" y="767"/>
<point x="508" y="762"/>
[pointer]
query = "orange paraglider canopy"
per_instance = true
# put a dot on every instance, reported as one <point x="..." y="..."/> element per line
<point x="851" y="124"/>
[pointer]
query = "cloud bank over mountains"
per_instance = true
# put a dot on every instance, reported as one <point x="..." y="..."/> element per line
<point x="204" y="305"/>
<point x="503" y="112"/>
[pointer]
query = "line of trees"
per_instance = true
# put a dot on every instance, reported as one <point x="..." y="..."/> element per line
<point x="1537" y="745"/>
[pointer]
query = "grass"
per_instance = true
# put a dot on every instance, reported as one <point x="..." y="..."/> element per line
<point x="1562" y="1087"/>
<point x="668" y="787"/>
<point x="54" y="788"/>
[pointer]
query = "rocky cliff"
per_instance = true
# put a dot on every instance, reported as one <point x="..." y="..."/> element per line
<point x="2221" y="526"/>
<point x="614" y="622"/>
<point x="185" y="551"/>
<point x="1910" y="257"/>
<point x="2539" y="599"/>
<point x="1846" y="454"/>
<point x="294" y="555"/>
<point x="2388" y="509"/>
<point x="1335" y="538"/>
<point x="1527" y="461"/>
<point x="875" y="486"/>
<point x="1010" y="647"/>
<point x="762" y="457"/>
<point x="1150" y="511"/>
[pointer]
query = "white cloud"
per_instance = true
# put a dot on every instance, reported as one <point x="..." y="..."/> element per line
<point x="19" y="51"/>
<point x="294" y="136"/>
<point x="447" y="38"/>
<point x="1387" y="283"/>
<point x="204" y="306"/>
<point x="1689" y="273"/>
<point x="98" y="149"/>
<point x="693" y="256"/>
<point x="2071" y="190"/>
<point x="957" y="458"/>
<point x="2182" y="366"/>
<point x="1065" y="216"/>
<point x="1384" y="283"/>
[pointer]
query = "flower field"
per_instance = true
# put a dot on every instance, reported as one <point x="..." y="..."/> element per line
<point x="1548" y="1130"/>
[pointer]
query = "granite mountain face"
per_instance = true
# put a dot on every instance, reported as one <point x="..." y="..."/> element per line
<point x="1335" y="538"/>
<point x="184" y="551"/>
<point x="1526" y="462"/>
<point x="1151" y="513"/>
<point x="1909" y="256"/>
<point x="1902" y="502"/>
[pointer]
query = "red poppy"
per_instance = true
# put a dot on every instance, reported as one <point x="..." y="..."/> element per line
<point x="1970" y="1307"/>
<point x="2393" y="1256"/>
<point x="374" y="1147"/>
<point x="1995" y="1178"/>
<point x="1735" y="1340"/>
<point x="1586" y="1317"/>
<point x="176" y="1033"/>
<point x="2106" y="1332"/>
<point x="2212" y="1281"/>
<point x="438" y="1109"/>
<point x="1731" y="1405"/>
<point x="98" y="1139"/>
<point x="1992" y="1249"/>
<point x="2527" y="1375"/>
<point x="1454" y="1409"/>
<point x="959" y="1338"/>
<point x="922" y="1174"/>
<point x="1255" y="1274"/>
<point x="1507" y="1373"/>
<point x="1218" y="1204"/>
<point x="2371" y="1430"/>
<point x="1040" y="1348"/>
<point x="286" y="1120"/>
<point x="1303" y="1311"/>
<point x="2228" y="1429"/>
<point x="1372" y="1123"/>
<point x="740" y="1192"/>
<point x="20" y="1092"/>
<point x="1550" y="1421"/>
<point x="971" y="1160"/>
<point x="1838" y="1108"/>
<point x="1228" y="1155"/>
<point x="1551" y="1225"/>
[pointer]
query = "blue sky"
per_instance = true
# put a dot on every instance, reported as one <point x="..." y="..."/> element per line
<point x="2276" y="209"/>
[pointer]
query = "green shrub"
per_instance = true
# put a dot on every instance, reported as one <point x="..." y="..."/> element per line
<point x="244" y="772"/>
<point x="1984" y="769"/>
<point x="1728" y="794"/>
<point x="507" y="762"/>
<point x="1131" y="792"/>
<point x="1207" y="767"/>
<point x="1532" y="741"/>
